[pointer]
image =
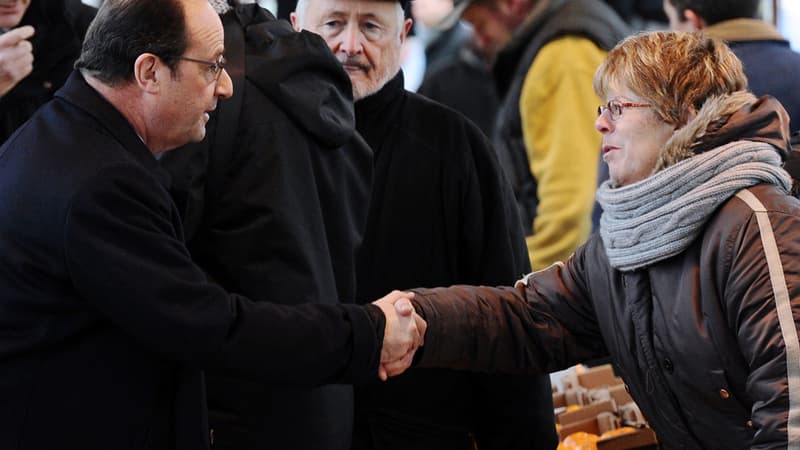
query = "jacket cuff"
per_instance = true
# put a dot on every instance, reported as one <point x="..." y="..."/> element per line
<point x="377" y="317"/>
<point x="425" y="310"/>
<point x="368" y="325"/>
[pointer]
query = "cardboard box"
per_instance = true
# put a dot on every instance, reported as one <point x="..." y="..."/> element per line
<point x="605" y="405"/>
<point x="587" y="425"/>
<point x="585" y="412"/>
<point x="598" y="376"/>
<point x="641" y="438"/>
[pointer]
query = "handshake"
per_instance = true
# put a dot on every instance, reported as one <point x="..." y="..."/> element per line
<point x="403" y="335"/>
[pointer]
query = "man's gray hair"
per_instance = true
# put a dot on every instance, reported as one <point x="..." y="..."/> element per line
<point x="302" y="7"/>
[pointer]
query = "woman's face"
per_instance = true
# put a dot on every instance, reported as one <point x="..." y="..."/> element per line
<point x="633" y="136"/>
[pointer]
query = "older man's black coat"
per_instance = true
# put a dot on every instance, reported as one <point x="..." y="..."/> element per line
<point x="441" y="213"/>
<point x="105" y="322"/>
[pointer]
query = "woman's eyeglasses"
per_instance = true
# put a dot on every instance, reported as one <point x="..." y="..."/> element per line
<point x="615" y="108"/>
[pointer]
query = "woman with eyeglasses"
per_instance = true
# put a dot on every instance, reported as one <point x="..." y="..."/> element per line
<point x="692" y="285"/>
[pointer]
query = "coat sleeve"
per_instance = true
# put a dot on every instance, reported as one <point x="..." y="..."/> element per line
<point x="125" y="257"/>
<point x="545" y="323"/>
<point x="763" y="310"/>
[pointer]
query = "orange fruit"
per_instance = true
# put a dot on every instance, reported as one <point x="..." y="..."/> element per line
<point x="579" y="441"/>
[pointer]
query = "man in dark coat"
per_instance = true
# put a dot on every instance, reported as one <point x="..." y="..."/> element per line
<point x="36" y="57"/>
<point x="465" y="84"/>
<point x="106" y="322"/>
<point x="274" y="204"/>
<point x="441" y="212"/>
<point x="769" y="62"/>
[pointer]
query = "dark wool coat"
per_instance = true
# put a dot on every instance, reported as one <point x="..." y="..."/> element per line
<point x="441" y="213"/>
<point x="106" y="322"/>
<point x="274" y="209"/>
<point x="464" y="83"/>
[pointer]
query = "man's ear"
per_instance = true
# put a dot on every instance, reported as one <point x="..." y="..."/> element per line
<point x="695" y="20"/>
<point x="147" y="72"/>
<point x="293" y="19"/>
<point x="406" y="28"/>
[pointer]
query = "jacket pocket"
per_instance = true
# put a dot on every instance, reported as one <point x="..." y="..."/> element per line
<point x="730" y="417"/>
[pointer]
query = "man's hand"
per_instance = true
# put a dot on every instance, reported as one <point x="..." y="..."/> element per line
<point x="16" y="57"/>
<point x="405" y="332"/>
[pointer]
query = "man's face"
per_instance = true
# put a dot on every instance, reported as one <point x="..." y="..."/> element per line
<point x="676" y="20"/>
<point x="365" y="36"/>
<point x="11" y="12"/>
<point x="187" y="98"/>
<point x="492" y="24"/>
<point x="430" y="12"/>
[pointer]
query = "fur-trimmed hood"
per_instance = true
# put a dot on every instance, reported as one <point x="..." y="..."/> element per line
<point x="723" y="119"/>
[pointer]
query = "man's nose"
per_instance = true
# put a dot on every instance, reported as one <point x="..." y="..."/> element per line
<point x="352" y="41"/>
<point x="224" y="88"/>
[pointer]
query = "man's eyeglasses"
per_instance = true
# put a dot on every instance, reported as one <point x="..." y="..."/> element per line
<point x="214" y="67"/>
<point x="615" y="108"/>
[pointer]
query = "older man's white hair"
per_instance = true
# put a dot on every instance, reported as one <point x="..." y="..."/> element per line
<point x="302" y="7"/>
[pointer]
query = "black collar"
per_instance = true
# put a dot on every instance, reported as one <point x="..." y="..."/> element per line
<point x="373" y="105"/>
<point x="79" y="93"/>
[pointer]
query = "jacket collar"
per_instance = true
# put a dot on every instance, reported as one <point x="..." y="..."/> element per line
<point x="78" y="92"/>
<point x="741" y="30"/>
<point x="736" y="116"/>
<point x="381" y="99"/>
<point x="378" y="114"/>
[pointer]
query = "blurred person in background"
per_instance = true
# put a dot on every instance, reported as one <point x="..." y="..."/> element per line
<point x="769" y="62"/>
<point x="640" y="14"/>
<point x="459" y="72"/>
<point x="441" y="45"/>
<point x="465" y="84"/>
<point x="547" y="52"/>
<point x="37" y="50"/>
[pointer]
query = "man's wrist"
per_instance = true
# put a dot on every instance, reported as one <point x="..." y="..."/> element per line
<point x="378" y="320"/>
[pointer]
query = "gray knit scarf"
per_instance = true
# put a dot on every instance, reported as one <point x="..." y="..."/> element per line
<point x="658" y="217"/>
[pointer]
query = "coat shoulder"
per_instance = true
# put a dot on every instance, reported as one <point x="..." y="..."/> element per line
<point x="443" y="129"/>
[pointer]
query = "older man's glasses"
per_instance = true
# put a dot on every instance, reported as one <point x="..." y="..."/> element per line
<point x="615" y="108"/>
<point x="214" y="67"/>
